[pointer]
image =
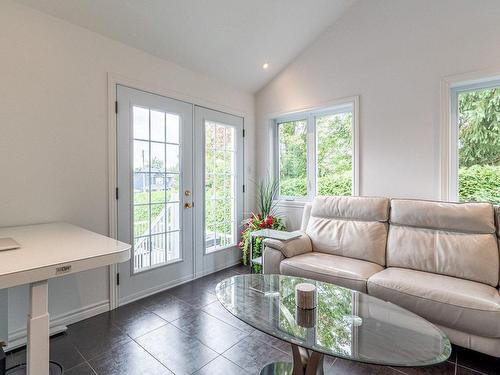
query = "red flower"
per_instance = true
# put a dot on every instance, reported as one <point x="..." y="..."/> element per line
<point x="269" y="221"/>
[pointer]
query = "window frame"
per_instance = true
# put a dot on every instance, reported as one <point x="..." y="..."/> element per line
<point x="450" y="183"/>
<point x="339" y="106"/>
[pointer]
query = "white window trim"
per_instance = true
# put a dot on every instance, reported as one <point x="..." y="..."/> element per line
<point x="451" y="87"/>
<point x="335" y="106"/>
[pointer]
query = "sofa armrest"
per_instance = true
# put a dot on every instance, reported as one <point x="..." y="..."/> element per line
<point x="290" y="248"/>
<point x="271" y="260"/>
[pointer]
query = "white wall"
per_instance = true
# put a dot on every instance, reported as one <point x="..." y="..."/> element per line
<point x="393" y="54"/>
<point x="53" y="133"/>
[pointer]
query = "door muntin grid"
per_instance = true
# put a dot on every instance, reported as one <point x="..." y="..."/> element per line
<point x="220" y="186"/>
<point x="156" y="213"/>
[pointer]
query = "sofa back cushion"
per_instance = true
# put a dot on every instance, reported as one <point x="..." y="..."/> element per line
<point x="355" y="227"/>
<point x="454" y="239"/>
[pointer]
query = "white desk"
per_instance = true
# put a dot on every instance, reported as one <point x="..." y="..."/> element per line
<point x="48" y="251"/>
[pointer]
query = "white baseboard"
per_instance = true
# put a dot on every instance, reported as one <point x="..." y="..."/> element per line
<point x="162" y="287"/>
<point x="59" y="323"/>
<point x="149" y="292"/>
<point x="213" y="270"/>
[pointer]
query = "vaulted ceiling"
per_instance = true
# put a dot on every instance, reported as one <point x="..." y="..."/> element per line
<point x="226" y="39"/>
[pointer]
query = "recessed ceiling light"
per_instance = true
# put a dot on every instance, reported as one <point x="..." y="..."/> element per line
<point x="265" y="66"/>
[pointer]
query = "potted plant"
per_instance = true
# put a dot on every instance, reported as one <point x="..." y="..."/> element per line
<point x="265" y="218"/>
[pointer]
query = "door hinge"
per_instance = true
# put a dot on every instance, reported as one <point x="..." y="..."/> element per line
<point x="243" y="133"/>
<point x="243" y="188"/>
<point x="116" y="107"/>
<point x="116" y="193"/>
<point x="118" y="279"/>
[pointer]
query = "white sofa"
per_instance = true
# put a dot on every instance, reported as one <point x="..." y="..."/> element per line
<point x="438" y="259"/>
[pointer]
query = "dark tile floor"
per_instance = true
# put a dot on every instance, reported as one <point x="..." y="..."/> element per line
<point x="186" y="331"/>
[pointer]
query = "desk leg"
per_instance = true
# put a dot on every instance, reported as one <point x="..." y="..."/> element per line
<point x="38" y="329"/>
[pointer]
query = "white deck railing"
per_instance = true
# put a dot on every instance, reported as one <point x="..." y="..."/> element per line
<point x="143" y="258"/>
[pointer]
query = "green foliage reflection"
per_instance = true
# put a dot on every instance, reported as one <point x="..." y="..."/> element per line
<point x="333" y="331"/>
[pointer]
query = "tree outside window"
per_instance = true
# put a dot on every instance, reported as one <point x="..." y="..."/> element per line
<point x="479" y="145"/>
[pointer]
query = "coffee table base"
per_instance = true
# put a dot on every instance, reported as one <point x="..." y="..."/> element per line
<point x="277" y="368"/>
<point x="305" y="362"/>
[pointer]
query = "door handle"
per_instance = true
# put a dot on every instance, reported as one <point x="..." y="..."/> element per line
<point x="188" y="205"/>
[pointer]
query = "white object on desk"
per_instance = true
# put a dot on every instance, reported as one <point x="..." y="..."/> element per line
<point x="269" y="233"/>
<point x="49" y="251"/>
<point x="8" y="244"/>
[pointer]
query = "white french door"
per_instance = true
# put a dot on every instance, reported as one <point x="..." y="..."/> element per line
<point x="219" y="174"/>
<point x="155" y="184"/>
<point x="180" y="191"/>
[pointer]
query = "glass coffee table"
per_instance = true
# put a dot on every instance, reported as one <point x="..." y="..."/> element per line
<point x="346" y="324"/>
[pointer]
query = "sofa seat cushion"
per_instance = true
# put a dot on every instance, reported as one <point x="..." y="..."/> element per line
<point x="347" y="272"/>
<point x="459" y="304"/>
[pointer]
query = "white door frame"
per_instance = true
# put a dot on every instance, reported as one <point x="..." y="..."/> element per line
<point x="115" y="79"/>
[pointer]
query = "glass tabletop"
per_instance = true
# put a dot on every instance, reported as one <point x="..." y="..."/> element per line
<point x="345" y="323"/>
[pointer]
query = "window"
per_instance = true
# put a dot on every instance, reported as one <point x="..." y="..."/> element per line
<point x="475" y="142"/>
<point x="220" y="184"/>
<point x="316" y="152"/>
<point x="293" y="158"/>
<point x="334" y="153"/>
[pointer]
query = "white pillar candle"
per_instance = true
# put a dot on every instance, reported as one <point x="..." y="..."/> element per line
<point x="305" y="296"/>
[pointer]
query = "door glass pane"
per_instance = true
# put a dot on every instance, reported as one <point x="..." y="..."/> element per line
<point x="220" y="182"/>
<point x="156" y="213"/>
<point x="172" y="186"/>
<point x="141" y="156"/>
<point x="479" y="146"/>
<point x="141" y="220"/>
<point x="141" y="188"/>
<point x="173" y="246"/>
<point x="172" y="217"/>
<point x="157" y="218"/>
<point x="141" y="253"/>
<point x="157" y="157"/>
<point x="158" y="188"/>
<point x="158" y="126"/>
<point x="334" y="154"/>
<point x="173" y="124"/>
<point x="292" y="158"/>
<point x="172" y="158"/>
<point x="158" y="249"/>
<point x="141" y="123"/>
